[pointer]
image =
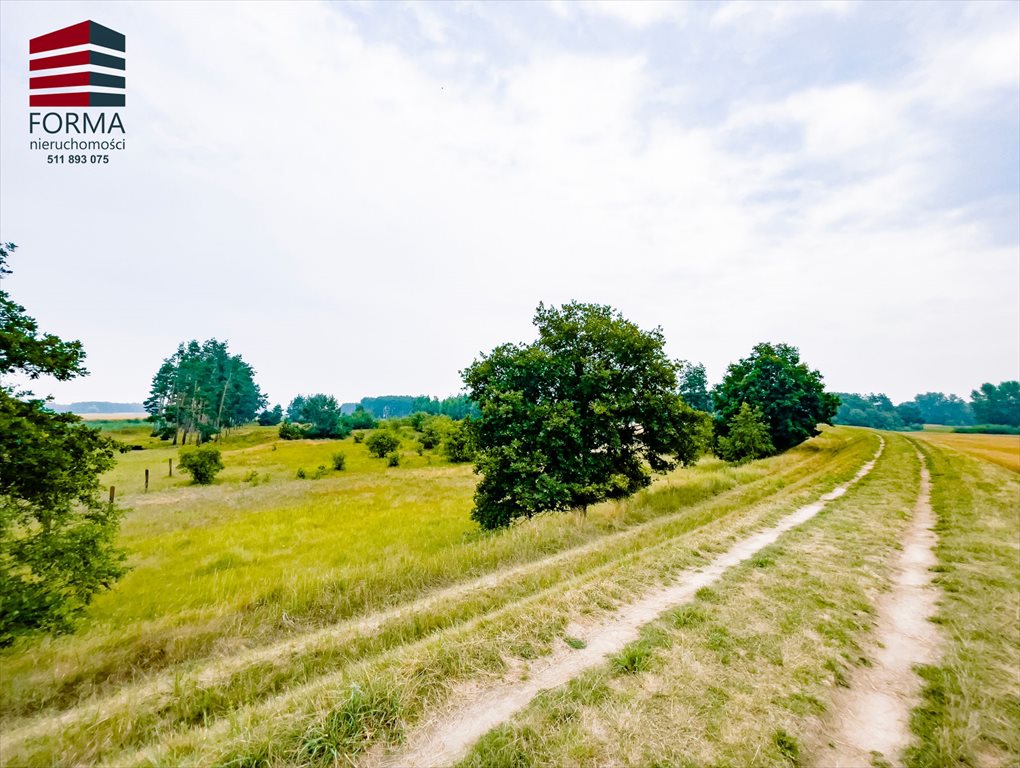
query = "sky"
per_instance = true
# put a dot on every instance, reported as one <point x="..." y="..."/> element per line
<point x="363" y="197"/>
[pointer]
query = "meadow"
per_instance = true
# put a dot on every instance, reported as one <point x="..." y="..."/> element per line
<point x="272" y="620"/>
<point x="1003" y="450"/>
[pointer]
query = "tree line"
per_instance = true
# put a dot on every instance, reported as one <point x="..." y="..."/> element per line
<point x="201" y="390"/>
<point x="990" y="405"/>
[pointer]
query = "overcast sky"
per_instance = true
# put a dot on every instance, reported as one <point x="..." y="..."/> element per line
<point x="361" y="197"/>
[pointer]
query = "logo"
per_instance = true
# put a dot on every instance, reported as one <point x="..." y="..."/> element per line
<point x="78" y="66"/>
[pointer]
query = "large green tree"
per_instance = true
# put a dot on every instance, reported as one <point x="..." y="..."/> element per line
<point x="790" y="395"/>
<point x="586" y="412"/>
<point x="202" y="389"/>
<point x="997" y="404"/>
<point x="56" y="534"/>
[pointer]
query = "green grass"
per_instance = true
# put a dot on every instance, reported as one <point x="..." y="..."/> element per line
<point x="235" y="565"/>
<point x="742" y="675"/>
<point x="421" y="672"/>
<point x="970" y="714"/>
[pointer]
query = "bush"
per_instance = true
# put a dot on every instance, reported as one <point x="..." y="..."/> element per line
<point x="394" y="459"/>
<point x="301" y="474"/>
<point x="339" y="461"/>
<point x="748" y="437"/>
<point x="270" y="417"/>
<point x="381" y="443"/>
<point x="359" y="437"/>
<point x="202" y="463"/>
<point x="361" y="419"/>
<point x="458" y="446"/>
<point x="320" y="472"/>
<point x="291" y="431"/>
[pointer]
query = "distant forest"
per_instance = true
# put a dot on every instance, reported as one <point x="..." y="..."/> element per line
<point x="990" y="405"/>
<point x="399" y="406"/>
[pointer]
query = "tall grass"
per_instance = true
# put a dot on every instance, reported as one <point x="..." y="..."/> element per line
<point x="742" y="675"/>
<point x="221" y="569"/>
<point x="970" y="714"/>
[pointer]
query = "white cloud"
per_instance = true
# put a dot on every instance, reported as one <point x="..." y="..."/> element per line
<point x="364" y="222"/>
<point x="634" y="13"/>
<point x="772" y="14"/>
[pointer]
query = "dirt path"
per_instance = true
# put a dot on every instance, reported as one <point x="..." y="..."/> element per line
<point x="872" y="716"/>
<point x="163" y="686"/>
<point x="447" y="736"/>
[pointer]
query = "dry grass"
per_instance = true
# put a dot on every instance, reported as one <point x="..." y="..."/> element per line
<point x="1003" y="450"/>
<point x="970" y="715"/>
<point x="741" y="675"/>
<point x="242" y="565"/>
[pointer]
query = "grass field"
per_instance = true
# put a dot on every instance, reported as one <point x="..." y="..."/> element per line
<point x="269" y="620"/>
<point x="1003" y="450"/>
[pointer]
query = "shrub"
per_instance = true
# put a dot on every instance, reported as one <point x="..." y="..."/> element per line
<point x="359" y="437"/>
<point x="394" y="459"/>
<point x="320" y="472"/>
<point x="748" y="437"/>
<point x="255" y="478"/>
<point x="291" y="431"/>
<point x="458" y="446"/>
<point x="381" y="443"/>
<point x="362" y="419"/>
<point x="271" y="416"/>
<point x="339" y="461"/>
<point x="202" y="463"/>
<point x="301" y="474"/>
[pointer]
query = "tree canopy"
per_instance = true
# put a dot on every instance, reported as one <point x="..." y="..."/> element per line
<point x="997" y="404"/>
<point x="56" y="535"/>
<point x="584" y="413"/>
<point x="876" y="411"/>
<point x="789" y="394"/>
<point x="694" y="386"/>
<point x="316" y="416"/>
<point x="200" y="390"/>
<point x="938" y="408"/>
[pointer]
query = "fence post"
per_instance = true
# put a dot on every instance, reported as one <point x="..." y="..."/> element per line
<point x="146" y="480"/>
<point x="113" y="492"/>
<point x="170" y="463"/>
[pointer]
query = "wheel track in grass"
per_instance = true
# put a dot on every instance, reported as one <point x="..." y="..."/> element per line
<point x="446" y="737"/>
<point x="870" y="720"/>
<point x="153" y="692"/>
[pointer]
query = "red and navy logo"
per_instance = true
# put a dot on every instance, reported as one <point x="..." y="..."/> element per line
<point x="78" y="66"/>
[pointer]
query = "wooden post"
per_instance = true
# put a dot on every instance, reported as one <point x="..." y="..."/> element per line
<point x="113" y="492"/>
<point x="170" y="463"/>
<point x="146" y="480"/>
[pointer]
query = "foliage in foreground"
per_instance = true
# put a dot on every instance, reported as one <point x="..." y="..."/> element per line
<point x="789" y="394"/>
<point x="201" y="463"/>
<point x="576" y="417"/>
<point x="56" y="535"/>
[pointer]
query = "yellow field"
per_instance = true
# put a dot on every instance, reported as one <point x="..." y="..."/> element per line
<point x="1003" y="450"/>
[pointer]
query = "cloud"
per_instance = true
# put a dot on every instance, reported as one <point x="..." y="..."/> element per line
<point x="362" y="217"/>
<point x="638" y="14"/>
<point x="772" y="14"/>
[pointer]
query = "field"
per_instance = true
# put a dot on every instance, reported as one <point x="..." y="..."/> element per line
<point x="271" y="620"/>
<point x="1003" y="450"/>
